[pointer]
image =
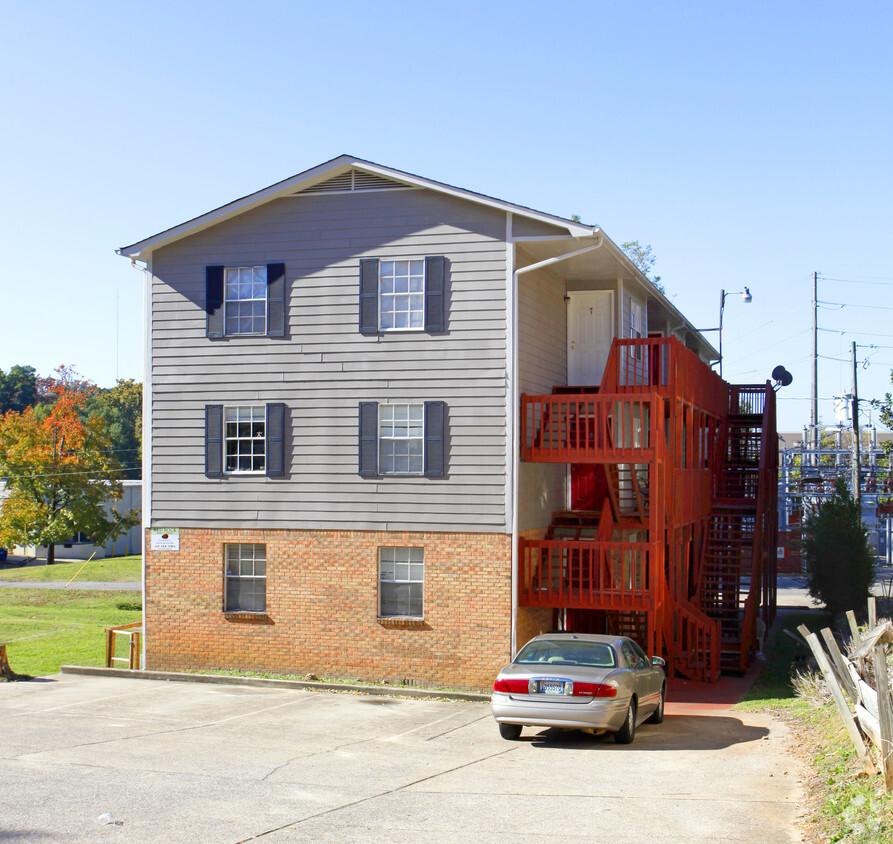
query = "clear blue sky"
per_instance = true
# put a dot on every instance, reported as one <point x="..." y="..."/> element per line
<point x="749" y="144"/>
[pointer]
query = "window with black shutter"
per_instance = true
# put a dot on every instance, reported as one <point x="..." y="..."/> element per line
<point x="245" y="301"/>
<point x="402" y="439"/>
<point x="402" y="294"/>
<point x="245" y="439"/>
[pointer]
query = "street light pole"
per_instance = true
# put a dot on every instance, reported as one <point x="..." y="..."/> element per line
<point x="814" y="406"/>
<point x="857" y="437"/>
<point x="745" y="297"/>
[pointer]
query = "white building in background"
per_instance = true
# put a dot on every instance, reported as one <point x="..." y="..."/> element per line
<point x="81" y="547"/>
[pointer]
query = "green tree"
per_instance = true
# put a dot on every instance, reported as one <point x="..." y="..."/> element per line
<point x="839" y="558"/>
<point x="59" y="470"/>
<point x="885" y="406"/>
<point x="644" y="259"/>
<point x="121" y="407"/>
<point x="18" y="389"/>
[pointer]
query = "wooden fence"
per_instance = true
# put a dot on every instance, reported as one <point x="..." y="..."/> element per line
<point x="864" y="679"/>
<point x="132" y="636"/>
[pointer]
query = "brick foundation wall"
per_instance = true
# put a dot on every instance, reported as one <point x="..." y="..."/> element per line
<point x="322" y="608"/>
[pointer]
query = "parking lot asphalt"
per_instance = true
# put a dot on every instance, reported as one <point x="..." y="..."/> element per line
<point x="92" y="758"/>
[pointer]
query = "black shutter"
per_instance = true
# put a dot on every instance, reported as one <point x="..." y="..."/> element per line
<point x="276" y="300"/>
<point x="435" y="425"/>
<point x="369" y="295"/>
<point x="275" y="440"/>
<point x="435" y="288"/>
<point x="214" y="302"/>
<point x="368" y="439"/>
<point x="214" y="440"/>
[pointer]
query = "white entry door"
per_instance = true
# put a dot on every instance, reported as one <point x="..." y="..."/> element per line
<point x="590" y="330"/>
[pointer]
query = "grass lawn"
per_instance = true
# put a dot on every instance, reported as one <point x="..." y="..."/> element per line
<point x="773" y="687"/>
<point x="112" y="568"/>
<point x="46" y="628"/>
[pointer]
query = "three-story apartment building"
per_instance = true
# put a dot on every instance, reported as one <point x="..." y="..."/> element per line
<point x="377" y="429"/>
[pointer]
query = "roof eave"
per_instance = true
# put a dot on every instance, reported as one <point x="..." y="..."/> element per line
<point x="143" y="248"/>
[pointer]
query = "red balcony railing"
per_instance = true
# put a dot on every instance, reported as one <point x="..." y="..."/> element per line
<point x="665" y="366"/>
<point x="589" y="428"/>
<point x="585" y="575"/>
<point x="747" y="400"/>
<point x="697" y="643"/>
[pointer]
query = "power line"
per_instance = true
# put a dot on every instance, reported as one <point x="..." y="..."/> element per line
<point x="842" y="305"/>
<point x="865" y="279"/>
<point x="842" y="331"/>
<point x="770" y="322"/>
<point x="61" y="474"/>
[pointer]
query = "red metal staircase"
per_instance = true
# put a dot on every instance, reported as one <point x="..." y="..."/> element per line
<point x="672" y="537"/>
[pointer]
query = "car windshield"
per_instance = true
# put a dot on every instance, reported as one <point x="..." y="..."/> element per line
<point x="567" y="652"/>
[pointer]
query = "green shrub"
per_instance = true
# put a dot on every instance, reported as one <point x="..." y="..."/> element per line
<point x="839" y="558"/>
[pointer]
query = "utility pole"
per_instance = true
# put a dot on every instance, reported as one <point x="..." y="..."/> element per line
<point x="814" y="409"/>
<point x="857" y="468"/>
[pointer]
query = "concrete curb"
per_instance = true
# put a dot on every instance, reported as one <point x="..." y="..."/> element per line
<point x="383" y="691"/>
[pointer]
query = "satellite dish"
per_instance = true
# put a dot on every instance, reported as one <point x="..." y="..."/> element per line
<point x="781" y="376"/>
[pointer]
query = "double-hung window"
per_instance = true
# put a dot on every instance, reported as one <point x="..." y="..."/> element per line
<point x="401" y="299"/>
<point x="401" y="439"/>
<point x="401" y="579"/>
<point x="245" y="300"/>
<point x="246" y="577"/>
<point x="402" y="294"/>
<point x="245" y="438"/>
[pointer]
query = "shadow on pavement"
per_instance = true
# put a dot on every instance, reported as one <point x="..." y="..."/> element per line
<point x="678" y="732"/>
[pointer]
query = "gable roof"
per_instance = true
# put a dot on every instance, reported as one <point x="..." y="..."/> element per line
<point x="331" y="175"/>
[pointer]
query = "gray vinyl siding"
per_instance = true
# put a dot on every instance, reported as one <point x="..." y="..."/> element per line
<point x="325" y="367"/>
<point x="542" y="332"/>
<point x="542" y="364"/>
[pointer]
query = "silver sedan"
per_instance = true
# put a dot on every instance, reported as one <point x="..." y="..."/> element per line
<point x="580" y="681"/>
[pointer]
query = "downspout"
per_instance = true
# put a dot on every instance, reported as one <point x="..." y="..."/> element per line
<point x="516" y="399"/>
<point x="147" y="434"/>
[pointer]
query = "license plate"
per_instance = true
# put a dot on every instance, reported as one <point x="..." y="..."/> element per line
<point x="551" y="687"/>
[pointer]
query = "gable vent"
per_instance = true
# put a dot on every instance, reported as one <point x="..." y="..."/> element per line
<point x="354" y="180"/>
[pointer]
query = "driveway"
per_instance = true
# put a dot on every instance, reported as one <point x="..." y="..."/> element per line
<point x="178" y="762"/>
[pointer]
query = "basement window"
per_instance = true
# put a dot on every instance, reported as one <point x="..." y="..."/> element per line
<point x="246" y="577"/>
<point x="401" y="579"/>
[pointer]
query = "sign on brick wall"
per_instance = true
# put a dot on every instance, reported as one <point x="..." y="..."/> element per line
<point x="165" y="539"/>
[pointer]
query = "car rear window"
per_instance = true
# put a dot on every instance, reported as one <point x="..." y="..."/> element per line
<point x="567" y="652"/>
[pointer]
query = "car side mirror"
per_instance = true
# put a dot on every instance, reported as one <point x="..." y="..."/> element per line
<point x="658" y="661"/>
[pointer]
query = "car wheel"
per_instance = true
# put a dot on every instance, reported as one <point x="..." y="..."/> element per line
<point x="512" y="732"/>
<point x="627" y="732"/>
<point x="657" y="717"/>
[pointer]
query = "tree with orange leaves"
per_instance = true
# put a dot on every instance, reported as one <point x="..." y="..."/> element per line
<point x="59" y="471"/>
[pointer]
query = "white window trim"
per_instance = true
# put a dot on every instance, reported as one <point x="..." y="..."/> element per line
<point x="266" y="301"/>
<point x="422" y="581"/>
<point x="409" y="330"/>
<point x="379" y="438"/>
<point x="244" y="471"/>
<point x="227" y="577"/>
